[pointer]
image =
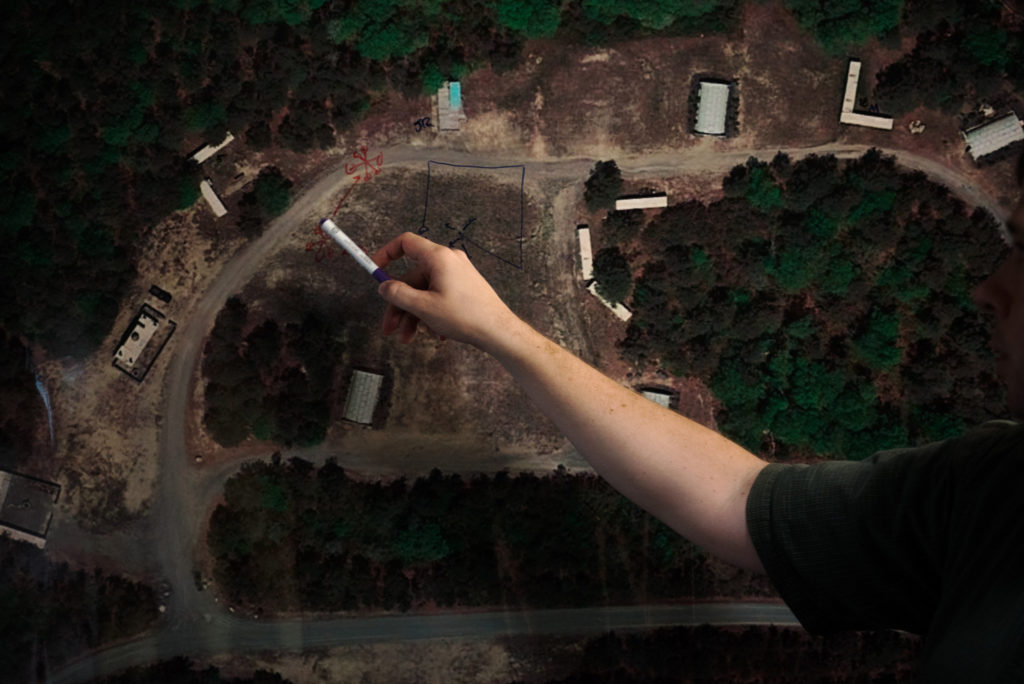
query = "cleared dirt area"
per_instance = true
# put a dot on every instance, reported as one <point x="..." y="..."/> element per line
<point x="437" y="388"/>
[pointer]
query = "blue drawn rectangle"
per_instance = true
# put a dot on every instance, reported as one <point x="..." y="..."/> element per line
<point x="473" y="229"/>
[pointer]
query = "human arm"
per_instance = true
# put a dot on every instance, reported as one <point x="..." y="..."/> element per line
<point x="690" y="477"/>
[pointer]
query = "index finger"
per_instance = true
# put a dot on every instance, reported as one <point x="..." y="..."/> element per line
<point x="406" y="244"/>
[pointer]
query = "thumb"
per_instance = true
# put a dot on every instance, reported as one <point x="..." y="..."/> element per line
<point x="402" y="295"/>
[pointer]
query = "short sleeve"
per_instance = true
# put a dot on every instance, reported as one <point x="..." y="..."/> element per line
<point x="855" y="545"/>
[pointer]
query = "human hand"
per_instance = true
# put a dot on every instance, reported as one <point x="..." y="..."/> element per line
<point x="443" y="290"/>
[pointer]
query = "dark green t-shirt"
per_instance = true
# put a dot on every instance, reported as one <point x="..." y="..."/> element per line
<point x="927" y="540"/>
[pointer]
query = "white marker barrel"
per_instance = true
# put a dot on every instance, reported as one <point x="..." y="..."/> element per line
<point x="329" y="227"/>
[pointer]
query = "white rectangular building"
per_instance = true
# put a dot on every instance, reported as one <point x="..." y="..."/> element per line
<point x="869" y="120"/>
<point x="586" y="254"/>
<point x="209" y="150"/>
<point x="852" y="78"/>
<point x="993" y="136"/>
<point x="659" y="201"/>
<point x="363" y="394"/>
<point x="206" y="188"/>
<point x="712" y="105"/>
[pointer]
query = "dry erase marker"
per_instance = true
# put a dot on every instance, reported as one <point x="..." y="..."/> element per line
<point x="329" y="227"/>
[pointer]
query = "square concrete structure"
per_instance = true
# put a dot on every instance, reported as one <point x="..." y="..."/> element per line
<point x="26" y="507"/>
<point x="142" y="342"/>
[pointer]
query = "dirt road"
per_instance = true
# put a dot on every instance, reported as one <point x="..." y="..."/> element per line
<point x="226" y="633"/>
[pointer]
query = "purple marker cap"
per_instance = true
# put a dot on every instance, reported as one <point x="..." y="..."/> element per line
<point x="380" y="275"/>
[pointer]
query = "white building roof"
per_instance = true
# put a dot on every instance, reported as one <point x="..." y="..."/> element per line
<point x="210" y="150"/>
<point x="658" y="201"/>
<point x="363" y="393"/>
<point x="847" y="115"/>
<point x="711" y="108"/>
<point x="995" y="135"/>
<point x="869" y="120"/>
<point x="206" y="188"/>
<point x="450" y="114"/>
<point x="662" y="399"/>
<point x="852" y="77"/>
<point x="138" y="338"/>
<point x="586" y="254"/>
<point x="619" y="310"/>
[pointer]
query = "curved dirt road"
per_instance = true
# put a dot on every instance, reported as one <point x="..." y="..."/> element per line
<point x="194" y="623"/>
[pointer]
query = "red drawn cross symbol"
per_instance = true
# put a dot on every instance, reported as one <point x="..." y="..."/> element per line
<point x="370" y="167"/>
<point x="365" y="168"/>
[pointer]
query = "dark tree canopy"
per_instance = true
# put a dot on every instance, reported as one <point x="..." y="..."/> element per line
<point x="824" y="315"/>
<point x="612" y="274"/>
<point x="289" y="536"/>
<point x="51" y="613"/>
<point x="603" y="186"/>
<point x="838" y="25"/>
<point x="254" y="387"/>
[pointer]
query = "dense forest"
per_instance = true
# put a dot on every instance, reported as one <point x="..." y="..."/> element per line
<point x="746" y="654"/>
<point x="50" y="613"/>
<point x="20" y="404"/>
<point x="964" y="53"/>
<point x="184" y="671"/>
<point x="269" y="380"/>
<point x="289" y="537"/>
<point x="827" y="305"/>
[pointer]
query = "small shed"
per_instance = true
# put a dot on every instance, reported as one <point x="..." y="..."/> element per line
<point x="712" y="108"/>
<point x="363" y="395"/>
<point x="993" y="136"/>
<point x="450" y="114"/>
<point x="586" y="253"/>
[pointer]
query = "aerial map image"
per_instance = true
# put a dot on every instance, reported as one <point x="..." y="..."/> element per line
<point x="401" y="341"/>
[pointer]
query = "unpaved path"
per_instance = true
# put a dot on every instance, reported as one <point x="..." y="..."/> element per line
<point x="225" y="633"/>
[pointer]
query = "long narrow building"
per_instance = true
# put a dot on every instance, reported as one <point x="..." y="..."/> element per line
<point x="848" y="115"/>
